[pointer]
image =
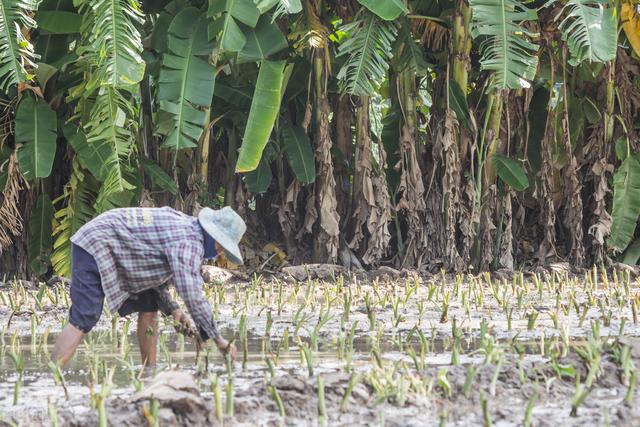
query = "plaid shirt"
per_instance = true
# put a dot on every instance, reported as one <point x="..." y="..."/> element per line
<point x="144" y="248"/>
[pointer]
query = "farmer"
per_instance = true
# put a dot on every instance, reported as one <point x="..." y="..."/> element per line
<point x="129" y="255"/>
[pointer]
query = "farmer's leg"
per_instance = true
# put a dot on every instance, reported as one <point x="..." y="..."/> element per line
<point x="86" y="305"/>
<point x="146" y="305"/>
<point x="148" y="336"/>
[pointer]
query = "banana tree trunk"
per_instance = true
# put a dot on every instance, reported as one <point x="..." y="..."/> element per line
<point x="411" y="190"/>
<point x="572" y="186"/>
<point x="327" y="228"/>
<point x="371" y="202"/>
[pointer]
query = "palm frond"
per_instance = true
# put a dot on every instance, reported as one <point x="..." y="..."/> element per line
<point x="506" y="47"/>
<point x="369" y="52"/>
<point x="16" y="52"/>
<point x="590" y="29"/>
<point x="114" y="45"/>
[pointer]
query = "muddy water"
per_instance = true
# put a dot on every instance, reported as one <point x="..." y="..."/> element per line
<point x="435" y="388"/>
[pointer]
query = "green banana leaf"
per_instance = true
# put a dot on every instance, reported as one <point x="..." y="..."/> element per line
<point x="508" y="49"/>
<point x="16" y="52"/>
<point x="94" y="157"/>
<point x="385" y="9"/>
<point x="263" y="114"/>
<point x="40" y="237"/>
<point x="590" y="29"/>
<point x="369" y="50"/>
<point x="115" y="45"/>
<point x="510" y="172"/>
<point x="258" y="180"/>
<point x="632" y="254"/>
<point x="459" y="105"/>
<point x="36" y="127"/>
<point x="626" y="203"/>
<point x="58" y="21"/>
<point x="262" y="42"/>
<point x="299" y="153"/>
<point x="159" y="177"/>
<point x="226" y="28"/>
<point x="186" y="80"/>
<point x="284" y="6"/>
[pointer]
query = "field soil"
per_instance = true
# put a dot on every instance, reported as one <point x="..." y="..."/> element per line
<point x="318" y="346"/>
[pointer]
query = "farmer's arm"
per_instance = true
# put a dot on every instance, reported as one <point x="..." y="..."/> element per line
<point x="183" y="259"/>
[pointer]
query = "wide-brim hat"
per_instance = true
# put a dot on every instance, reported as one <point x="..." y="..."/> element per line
<point x="226" y="227"/>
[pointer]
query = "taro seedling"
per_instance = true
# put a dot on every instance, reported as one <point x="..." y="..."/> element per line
<point x="217" y="397"/>
<point x="18" y="361"/>
<point x="322" y="409"/>
<point x="486" y="416"/>
<point x="150" y="412"/>
<point x="353" y="381"/>
<point x="58" y="378"/>
<point x="581" y="393"/>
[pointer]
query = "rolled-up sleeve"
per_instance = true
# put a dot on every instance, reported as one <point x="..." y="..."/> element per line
<point x="185" y="260"/>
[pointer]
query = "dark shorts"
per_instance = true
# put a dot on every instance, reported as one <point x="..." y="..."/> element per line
<point x="87" y="295"/>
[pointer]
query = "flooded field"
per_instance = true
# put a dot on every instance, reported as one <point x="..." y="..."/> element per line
<point x="512" y="349"/>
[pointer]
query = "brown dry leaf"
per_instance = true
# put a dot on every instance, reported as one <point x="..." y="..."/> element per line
<point x="372" y="205"/>
<point x="506" y="244"/>
<point x="451" y="187"/>
<point x="487" y="234"/>
<point x="573" y="199"/>
<point x="287" y="212"/>
<point x="326" y="242"/>
<point x="273" y="248"/>
<point x="10" y="218"/>
<point x="411" y="191"/>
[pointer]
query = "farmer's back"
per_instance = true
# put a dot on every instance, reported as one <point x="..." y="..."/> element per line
<point x="133" y="247"/>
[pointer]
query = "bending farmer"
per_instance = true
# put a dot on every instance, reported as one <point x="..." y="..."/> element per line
<point x="129" y="256"/>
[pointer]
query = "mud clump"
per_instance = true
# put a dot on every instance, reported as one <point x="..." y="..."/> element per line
<point x="179" y="400"/>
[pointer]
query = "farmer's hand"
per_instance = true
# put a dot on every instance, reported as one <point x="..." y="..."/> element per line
<point x="183" y="323"/>
<point x="226" y="348"/>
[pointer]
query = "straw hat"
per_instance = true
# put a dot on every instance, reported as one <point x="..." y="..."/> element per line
<point x="226" y="227"/>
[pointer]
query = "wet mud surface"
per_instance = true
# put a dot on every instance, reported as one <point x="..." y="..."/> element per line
<point x="542" y="350"/>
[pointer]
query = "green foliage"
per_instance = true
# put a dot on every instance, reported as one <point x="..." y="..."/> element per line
<point x="79" y="195"/>
<point x="368" y="53"/>
<point x="263" y="41"/>
<point x="590" y="29"/>
<point x="258" y="180"/>
<point x="626" y="203"/>
<point x="16" y="52"/>
<point x="36" y="130"/>
<point x="159" y="178"/>
<point x="283" y="7"/>
<point x="186" y="80"/>
<point x="506" y="47"/>
<point x="40" y="240"/>
<point x="387" y="10"/>
<point x="110" y="129"/>
<point x="298" y="148"/>
<point x="262" y="116"/>
<point x="632" y="254"/>
<point x="408" y="54"/>
<point x="458" y="103"/>
<point x="114" y="43"/>
<point x="226" y="28"/>
<point x="510" y="172"/>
